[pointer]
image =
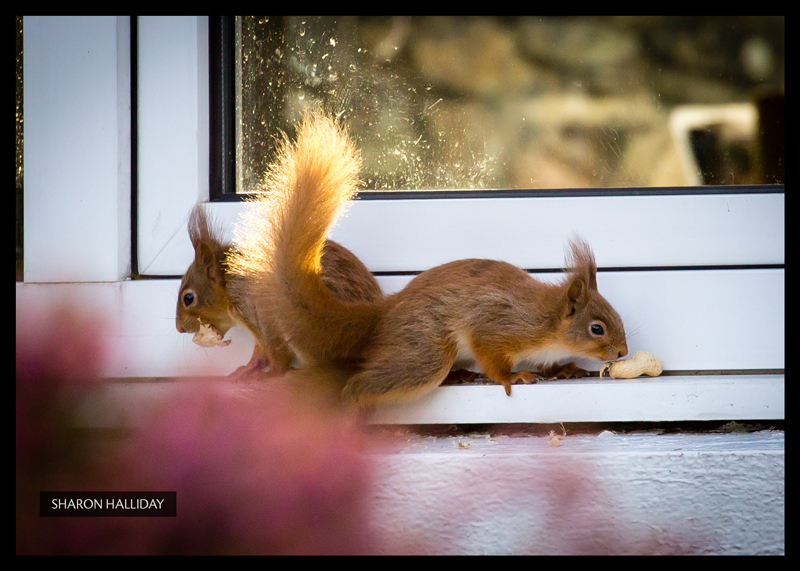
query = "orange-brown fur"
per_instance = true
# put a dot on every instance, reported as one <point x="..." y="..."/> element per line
<point x="220" y="297"/>
<point x="405" y="344"/>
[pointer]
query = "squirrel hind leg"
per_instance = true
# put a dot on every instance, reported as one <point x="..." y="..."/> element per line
<point x="400" y="377"/>
<point x="278" y="358"/>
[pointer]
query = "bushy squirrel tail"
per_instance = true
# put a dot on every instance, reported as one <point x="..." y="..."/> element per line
<point x="280" y="243"/>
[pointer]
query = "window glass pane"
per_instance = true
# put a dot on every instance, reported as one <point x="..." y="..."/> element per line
<point x="523" y="102"/>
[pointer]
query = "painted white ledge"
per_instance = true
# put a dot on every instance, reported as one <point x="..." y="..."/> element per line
<point x="695" y="397"/>
<point x="678" y="398"/>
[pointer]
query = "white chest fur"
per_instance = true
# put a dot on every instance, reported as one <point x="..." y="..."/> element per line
<point x="542" y="356"/>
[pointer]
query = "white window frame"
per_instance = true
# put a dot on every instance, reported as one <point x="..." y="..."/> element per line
<point x="173" y="137"/>
<point x="77" y="228"/>
<point x="77" y="149"/>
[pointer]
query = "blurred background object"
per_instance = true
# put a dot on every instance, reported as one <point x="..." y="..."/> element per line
<point x="530" y="102"/>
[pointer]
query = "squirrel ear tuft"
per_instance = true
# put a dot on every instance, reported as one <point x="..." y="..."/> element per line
<point x="580" y="261"/>
<point x="202" y="227"/>
<point x="197" y="225"/>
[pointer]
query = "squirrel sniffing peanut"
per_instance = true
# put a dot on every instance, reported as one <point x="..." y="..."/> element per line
<point x="405" y="344"/>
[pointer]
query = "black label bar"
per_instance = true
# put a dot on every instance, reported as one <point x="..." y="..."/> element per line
<point x="107" y="504"/>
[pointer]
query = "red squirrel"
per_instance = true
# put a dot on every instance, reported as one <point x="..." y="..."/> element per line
<point x="211" y="297"/>
<point x="402" y="345"/>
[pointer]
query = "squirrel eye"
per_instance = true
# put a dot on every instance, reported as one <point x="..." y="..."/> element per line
<point x="597" y="329"/>
<point x="188" y="298"/>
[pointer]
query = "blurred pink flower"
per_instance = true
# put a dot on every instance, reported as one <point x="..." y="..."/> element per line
<point x="253" y="474"/>
<point x="255" y="470"/>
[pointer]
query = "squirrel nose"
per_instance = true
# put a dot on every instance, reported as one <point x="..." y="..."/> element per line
<point x="623" y="351"/>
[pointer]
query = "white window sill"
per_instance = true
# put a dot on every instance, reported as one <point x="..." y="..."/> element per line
<point x="669" y="398"/>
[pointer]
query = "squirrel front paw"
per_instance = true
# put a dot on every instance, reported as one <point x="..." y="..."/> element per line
<point x="517" y="377"/>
